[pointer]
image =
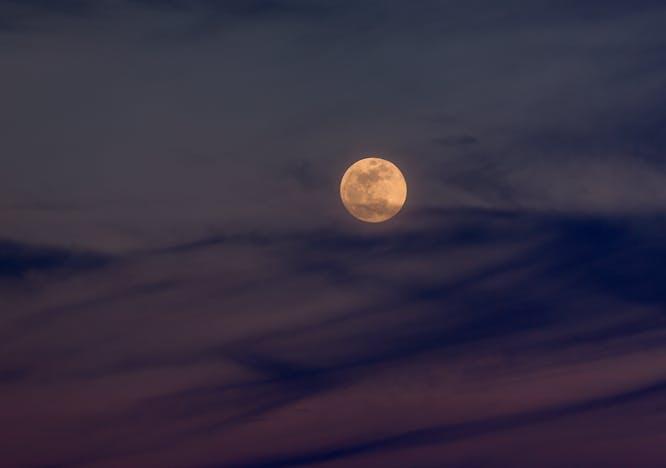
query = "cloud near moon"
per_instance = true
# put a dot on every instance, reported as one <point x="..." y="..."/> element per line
<point x="373" y="190"/>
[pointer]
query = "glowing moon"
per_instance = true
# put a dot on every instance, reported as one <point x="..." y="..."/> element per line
<point x="373" y="190"/>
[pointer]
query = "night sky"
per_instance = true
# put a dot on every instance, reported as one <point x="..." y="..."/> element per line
<point x="181" y="286"/>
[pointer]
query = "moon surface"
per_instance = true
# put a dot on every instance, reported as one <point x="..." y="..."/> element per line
<point x="373" y="190"/>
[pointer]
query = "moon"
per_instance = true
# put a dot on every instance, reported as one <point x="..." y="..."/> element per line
<point x="373" y="190"/>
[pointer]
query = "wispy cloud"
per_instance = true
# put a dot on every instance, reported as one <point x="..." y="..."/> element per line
<point x="239" y="330"/>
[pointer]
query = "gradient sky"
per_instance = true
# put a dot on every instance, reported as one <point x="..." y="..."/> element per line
<point x="180" y="285"/>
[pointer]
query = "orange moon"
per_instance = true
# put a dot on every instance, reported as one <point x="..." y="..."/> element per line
<point x="373" y="190"/>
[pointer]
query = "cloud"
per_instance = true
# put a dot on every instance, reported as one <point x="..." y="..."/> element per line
<point x="450" y="433"/>
<point x="563" y="103"/>
<point x="220" y="338"/>
<point x="18" y="260"/>
<point x="181" y="284"/>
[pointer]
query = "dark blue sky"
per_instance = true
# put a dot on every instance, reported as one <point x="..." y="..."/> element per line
<point x="181" y="286"/>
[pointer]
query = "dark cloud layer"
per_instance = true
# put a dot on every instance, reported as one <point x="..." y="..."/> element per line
<point x="17" y="260"/>
<point x="226" y="340"/>
<point x="180" y="285"/>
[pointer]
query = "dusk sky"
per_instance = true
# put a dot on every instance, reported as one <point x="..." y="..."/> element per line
<point x="181" y="285"/>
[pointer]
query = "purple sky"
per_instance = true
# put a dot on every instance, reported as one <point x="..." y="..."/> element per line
<point x="180" y="285"/>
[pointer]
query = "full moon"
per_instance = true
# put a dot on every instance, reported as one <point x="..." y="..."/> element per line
<point x="373" y="190"/>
